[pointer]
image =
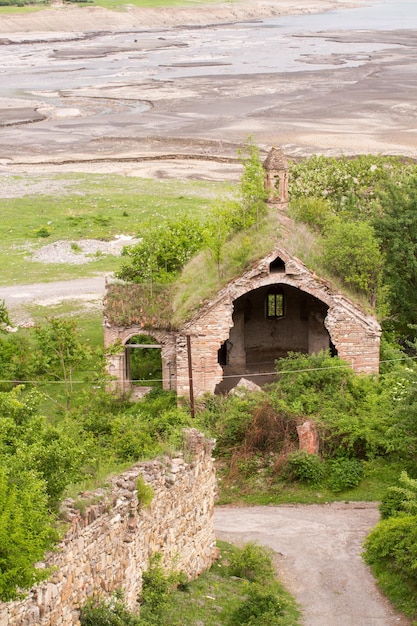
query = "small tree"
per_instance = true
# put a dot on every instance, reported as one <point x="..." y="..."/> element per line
<point x="253" y="194"/>
<point x="351" y="251"/>
<point x="4" y="316"/>
<point x="63" y="355"/>
<point x="163" y="252"/>
<point x="219" y="229"/>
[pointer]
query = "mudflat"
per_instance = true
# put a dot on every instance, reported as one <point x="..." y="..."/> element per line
<point x="173" y="92"/>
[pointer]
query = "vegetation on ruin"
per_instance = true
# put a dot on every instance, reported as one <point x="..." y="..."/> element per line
<point x="63" y="431"/>
<point x="240" y="588"/>
<point x="362" y="211"/>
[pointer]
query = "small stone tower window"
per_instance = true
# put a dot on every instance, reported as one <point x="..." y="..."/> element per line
<point x="274" y="304"/>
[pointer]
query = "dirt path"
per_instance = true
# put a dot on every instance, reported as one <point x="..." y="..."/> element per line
<point x="87" y="290"/>
<point x="318" y="550"/>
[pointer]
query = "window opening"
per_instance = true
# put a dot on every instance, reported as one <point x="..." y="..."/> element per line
<point x="277" y="265"/>
<point x="143" y="361"/>
<point x="275" y="304"/>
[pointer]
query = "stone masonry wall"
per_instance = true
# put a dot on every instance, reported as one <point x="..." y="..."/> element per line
<point x="108" y="545"/>
<point x="354" y="333"/>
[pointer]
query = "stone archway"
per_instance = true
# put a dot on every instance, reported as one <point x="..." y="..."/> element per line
<point x="268" y="323"/>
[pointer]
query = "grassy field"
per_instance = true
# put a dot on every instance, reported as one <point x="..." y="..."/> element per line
<point x="88" y="207"/>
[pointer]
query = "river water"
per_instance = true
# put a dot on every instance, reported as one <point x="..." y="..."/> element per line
<point x="285" y="44"/>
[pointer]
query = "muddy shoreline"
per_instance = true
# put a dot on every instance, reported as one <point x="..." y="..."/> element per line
<point x="163" y="103"/>
<point x="73" y="19"/>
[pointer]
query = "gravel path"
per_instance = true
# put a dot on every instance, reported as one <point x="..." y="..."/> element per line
<point x="318" y="550"/>
<point x="47" y="294"/>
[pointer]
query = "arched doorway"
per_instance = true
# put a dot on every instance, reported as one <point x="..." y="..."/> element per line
<point x="143" y="362"/>
<point x="268" y="323"/>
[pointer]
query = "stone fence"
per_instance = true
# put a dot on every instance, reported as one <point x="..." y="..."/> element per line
<point x="111" y="537"/>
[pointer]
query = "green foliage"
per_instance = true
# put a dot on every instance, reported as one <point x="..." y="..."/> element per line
<point x="316" y="212"/>
<point x="163" y="251"/>
<point x="391" y="551"/>
<point x="253" y="562"/>
<point x="107" y="612"/>
<point x="4" y="316"/>
<point x="346" y="406"/>
<point x="145" y="493"/>
<point x="253" y="194"/>
<point x="352" y="186"/>
<point x="63" y="354"/>
<point x="43" y="231"/>
<point x="344" y="474"/>
<point x="156" y="595"/>
<point x="30" y="442"/>
<point x="351" y="251"/>
<point x="169" y="598"/>
<point x="261" y="606"/>
<point x="26" y="527"/>
<point x="396" y="229"/>
<point x="400" y="499"/>
<point x="145" y="363"/>
<point x="306" y="468"/>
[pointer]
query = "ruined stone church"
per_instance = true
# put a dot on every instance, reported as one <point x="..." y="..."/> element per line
<point x="276" y="307"/>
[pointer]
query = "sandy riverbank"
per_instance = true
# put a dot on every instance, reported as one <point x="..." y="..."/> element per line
<point x="69" y="19"/>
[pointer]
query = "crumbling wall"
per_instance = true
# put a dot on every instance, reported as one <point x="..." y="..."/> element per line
<point x="354" y="334"/>
<point x="108" y="545"/>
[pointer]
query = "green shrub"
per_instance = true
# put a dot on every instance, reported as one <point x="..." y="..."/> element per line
<point x="252" y="562"/>
<point x="107" y="612"/>
<point x="261" y="606"/>
<point x="306" y="468"/>
<point x="43" y="231"/>
<point x="145" y="493"/>
<point x="162" y="252"/>
<point x="26" y="529"/>
<point x="344" y="474"/>
<point x="400" y="499"/>
<point x="351" y="251"/>
<point x="156" y="595"/>
<point x="393" y="542"/>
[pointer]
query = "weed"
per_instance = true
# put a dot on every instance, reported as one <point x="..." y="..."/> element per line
<point x="75" y="247"/>
<point x="43" y="231"/>
<point x="145" y="493"/>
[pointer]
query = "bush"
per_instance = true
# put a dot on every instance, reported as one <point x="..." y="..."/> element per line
<point x="145" y="493"/>
<point x="344" y="474"/>
<point x="393" y="543"/>
<point x="261" y="606"/>
<point x="306" y="468"/>
<point x="351" y="251"/>
<point x="162" y="252"/>
<point x="400" y="499"/>
<point x="26" y="529"/>
<point x="43" y="231"/>
<point x="252" y="562"/>
<point x="107" y="612"/>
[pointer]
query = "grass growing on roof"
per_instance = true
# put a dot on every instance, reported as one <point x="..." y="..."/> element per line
<point x="201" y="280"/>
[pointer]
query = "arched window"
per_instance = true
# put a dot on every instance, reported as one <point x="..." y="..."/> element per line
<point x="274" y="303"/>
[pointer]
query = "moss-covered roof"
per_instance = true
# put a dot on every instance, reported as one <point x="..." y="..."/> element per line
<point x="128" y="304"/>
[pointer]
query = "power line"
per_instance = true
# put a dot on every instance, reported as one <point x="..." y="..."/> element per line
<point x="183" y="378"/>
